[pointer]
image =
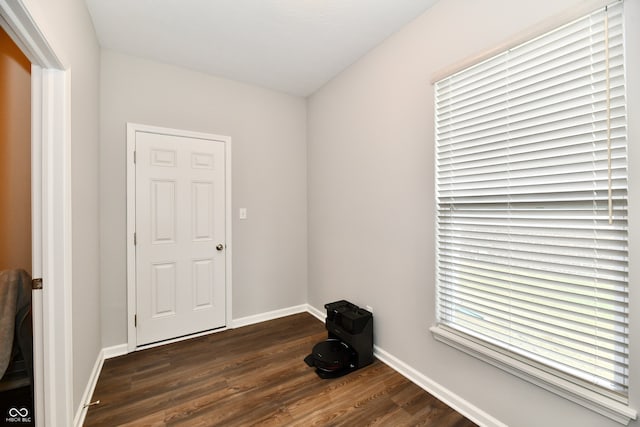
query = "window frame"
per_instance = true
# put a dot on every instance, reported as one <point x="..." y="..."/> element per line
<point x="566" y="386"/>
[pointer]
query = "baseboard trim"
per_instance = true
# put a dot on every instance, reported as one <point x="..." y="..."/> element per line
<point x="318" y="314"/>
<point x="470" y="411"/>
<point x="81" y="412"/>
<point x="115" y="351"/>
<point x="270" y="315"/>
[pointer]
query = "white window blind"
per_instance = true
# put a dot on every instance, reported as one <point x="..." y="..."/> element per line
<point x="531" y="176"/>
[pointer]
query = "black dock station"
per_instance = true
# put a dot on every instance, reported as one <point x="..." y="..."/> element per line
<point x="349" y="345"/>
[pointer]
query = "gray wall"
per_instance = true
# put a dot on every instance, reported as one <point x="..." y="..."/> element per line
<point x="268" y="131"/>
<point x="67" y="25"/>
<point x="371" y="198"/>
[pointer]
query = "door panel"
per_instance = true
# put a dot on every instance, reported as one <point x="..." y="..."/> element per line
<point x="163" y="289"/>
<point x="202" y="276"/>
<point x="202" y="205"/>
<point x="163" y="211"/>
<point x="180" y="219"/>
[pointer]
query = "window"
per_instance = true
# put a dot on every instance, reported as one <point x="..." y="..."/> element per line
<point x="531" y="187"/>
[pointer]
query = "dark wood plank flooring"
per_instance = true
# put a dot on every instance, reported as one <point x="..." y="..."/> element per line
<point x="255" y="375"/>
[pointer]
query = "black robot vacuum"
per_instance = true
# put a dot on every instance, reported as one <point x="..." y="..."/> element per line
<point x="349" y="344"/>
<point x="332" y="358"/>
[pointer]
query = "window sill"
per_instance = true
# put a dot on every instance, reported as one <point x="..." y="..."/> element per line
<point x="603" y="405"/>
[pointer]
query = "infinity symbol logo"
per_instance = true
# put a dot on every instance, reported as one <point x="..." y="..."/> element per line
<point x="15" y="412"/>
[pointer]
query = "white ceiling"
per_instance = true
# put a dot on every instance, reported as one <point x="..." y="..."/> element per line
<point x="293" y="46"/>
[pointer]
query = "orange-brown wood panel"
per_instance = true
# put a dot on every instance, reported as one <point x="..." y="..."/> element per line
<point x="15" y="156"/>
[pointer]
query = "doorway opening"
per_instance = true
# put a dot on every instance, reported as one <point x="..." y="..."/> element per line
<point x="16" y="330"/>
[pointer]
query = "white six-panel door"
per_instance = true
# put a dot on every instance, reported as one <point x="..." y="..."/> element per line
<point x="180" y="236"/>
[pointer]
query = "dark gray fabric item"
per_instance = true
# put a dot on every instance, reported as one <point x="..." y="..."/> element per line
<point x="15" y="300"/>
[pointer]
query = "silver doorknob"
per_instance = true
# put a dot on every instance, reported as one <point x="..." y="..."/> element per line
<point x="220" y="246"/>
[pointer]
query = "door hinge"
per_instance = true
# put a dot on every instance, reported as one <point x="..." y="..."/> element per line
<point x="134" y="157"/>
<point x="36" y="283"/>
<point x="135" y="320"/>
<point x="135" y="239"/>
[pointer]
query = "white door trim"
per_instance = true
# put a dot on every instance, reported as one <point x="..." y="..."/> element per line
<point x="51" y="210"/>
<point x="132" y="128"/>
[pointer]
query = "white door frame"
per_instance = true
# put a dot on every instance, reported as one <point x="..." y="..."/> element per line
<point x="132" y="128"/>
<point x="51" y="216"/>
